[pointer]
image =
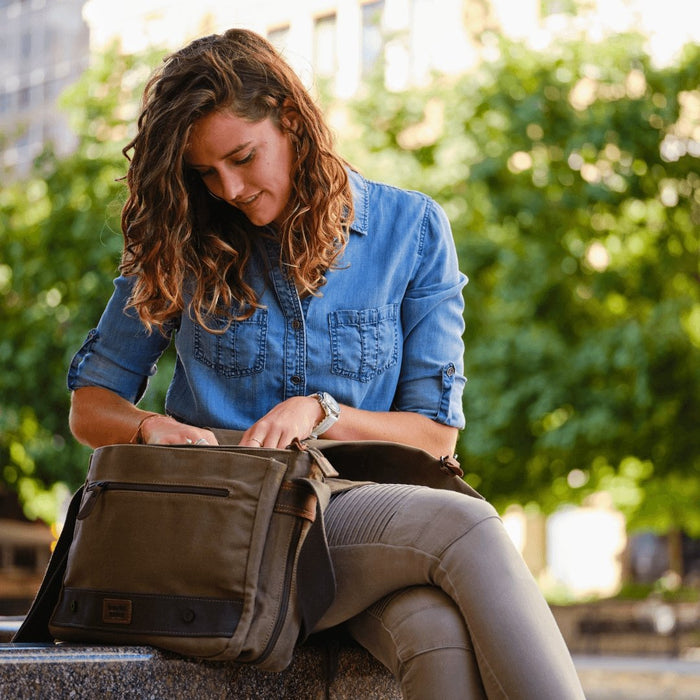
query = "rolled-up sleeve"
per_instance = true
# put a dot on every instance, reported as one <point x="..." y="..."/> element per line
<point x="432" y="375"/>
<point x="120" y="354"/>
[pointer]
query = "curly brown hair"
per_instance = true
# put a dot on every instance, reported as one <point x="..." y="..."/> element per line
<point x="185" y="248"/>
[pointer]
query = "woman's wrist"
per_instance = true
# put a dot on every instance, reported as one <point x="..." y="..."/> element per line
<point x="137" y="437"/>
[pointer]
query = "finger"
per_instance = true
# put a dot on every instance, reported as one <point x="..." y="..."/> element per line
<point x="205" y="437"/>
<point x="179" y="434"/>
<point x="276" y="438"/>
<point x="253" y="437"/>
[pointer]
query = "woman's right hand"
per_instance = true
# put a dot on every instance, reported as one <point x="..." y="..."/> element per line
<point x="156" y="429"/>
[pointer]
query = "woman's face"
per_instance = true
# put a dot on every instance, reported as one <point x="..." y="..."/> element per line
<point x="247" y="164"/>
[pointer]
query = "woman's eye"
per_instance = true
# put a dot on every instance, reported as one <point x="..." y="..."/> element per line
<point x="246" y="159"/>
<point x="204" y="174"/>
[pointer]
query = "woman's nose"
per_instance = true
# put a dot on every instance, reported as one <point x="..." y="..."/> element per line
<point x="231" y="186"/>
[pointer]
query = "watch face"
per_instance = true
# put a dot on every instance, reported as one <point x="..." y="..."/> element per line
<point x="331" y="403"/>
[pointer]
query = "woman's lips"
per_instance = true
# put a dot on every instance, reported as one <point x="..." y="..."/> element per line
<point x="246" y="201"/>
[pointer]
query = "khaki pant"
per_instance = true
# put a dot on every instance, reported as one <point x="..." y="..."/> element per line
<point x="430" y="583"/>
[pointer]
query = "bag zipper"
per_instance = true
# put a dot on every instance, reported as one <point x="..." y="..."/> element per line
<point x="96" y="488"/>
<point x="286" y="594"/>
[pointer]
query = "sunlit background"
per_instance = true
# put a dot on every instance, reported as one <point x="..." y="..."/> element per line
<point x="576" y="551"/>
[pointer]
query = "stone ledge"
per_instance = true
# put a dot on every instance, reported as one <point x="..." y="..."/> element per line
<point x="49" y="672"/>
<point x="56" y="672"/>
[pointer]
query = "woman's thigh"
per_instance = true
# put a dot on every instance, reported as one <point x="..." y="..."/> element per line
<point x="386" y="537"/>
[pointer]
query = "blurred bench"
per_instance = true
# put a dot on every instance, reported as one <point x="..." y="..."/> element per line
<point x="650" y="628"/>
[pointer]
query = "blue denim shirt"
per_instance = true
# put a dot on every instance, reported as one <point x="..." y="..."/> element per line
<point x="386" y="334"/>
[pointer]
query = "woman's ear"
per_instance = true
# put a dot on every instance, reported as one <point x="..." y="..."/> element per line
<point x="289" y="117"/>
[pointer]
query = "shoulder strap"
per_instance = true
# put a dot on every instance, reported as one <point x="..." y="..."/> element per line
<point x="394" y="463"/>
<point x="35" y="627"/>
<point x="316" y="586"/>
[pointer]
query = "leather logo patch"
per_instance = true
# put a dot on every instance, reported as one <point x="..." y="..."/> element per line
<point x="116" y="611"/>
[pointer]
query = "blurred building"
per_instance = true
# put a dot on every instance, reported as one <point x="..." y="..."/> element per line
<point x="334" y="40"/>
<point x="44" y="47"/>
<point x="334" y="44"/>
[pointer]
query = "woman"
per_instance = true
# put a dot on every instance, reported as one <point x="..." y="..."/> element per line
<point x="304" y="300"/>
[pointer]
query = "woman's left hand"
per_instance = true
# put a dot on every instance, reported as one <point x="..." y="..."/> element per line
<point x="293" y="418"/>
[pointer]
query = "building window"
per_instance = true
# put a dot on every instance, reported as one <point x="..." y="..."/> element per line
<point x="6" y="101"/>
<point x="23" y="98"/>
<point x="372" y="40"/>
<point x="25" y="47"/>
<point x="325" y="54"/>
<point x="36" y="95"/>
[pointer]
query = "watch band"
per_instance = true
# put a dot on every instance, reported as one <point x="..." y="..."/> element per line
<point x="332" y="413"/>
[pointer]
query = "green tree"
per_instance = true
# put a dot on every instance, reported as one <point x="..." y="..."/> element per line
<point x="570" y="178"/>
<point x="59" y="250"/>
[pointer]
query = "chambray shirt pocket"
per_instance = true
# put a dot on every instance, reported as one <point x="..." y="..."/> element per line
<point x="239" y="351"/>
<point x="364" y="342"/>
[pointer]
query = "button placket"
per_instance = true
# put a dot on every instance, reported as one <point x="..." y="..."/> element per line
<point x="295" y="330"/>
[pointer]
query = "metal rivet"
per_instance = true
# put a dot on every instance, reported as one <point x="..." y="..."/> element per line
<point x="188" y="615"/>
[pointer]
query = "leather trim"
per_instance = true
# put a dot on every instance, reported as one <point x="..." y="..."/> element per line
<point x="138" y="613"/>
<point x="296" y="499"/>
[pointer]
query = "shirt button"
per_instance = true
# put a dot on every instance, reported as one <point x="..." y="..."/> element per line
<point x="296" y="324"/>
<point x="296" y="379"/>
<point x="451" y="370"/>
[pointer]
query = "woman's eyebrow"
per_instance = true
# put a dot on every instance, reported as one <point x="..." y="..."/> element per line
<point x="232" y="152"/>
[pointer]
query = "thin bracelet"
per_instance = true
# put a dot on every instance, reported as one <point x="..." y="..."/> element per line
<point x="137" y="437"/>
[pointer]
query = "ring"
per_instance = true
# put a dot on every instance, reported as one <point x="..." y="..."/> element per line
<point x="188" y="441"/>
<point x="202" y="441"/>
<point x="258" y="441"/>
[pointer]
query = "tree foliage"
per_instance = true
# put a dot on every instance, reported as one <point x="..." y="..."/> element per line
<point x="570" y="178"/>
<point x="59" y="251"/>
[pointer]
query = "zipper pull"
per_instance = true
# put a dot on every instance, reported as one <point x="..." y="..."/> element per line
<point x="94" y="490"/>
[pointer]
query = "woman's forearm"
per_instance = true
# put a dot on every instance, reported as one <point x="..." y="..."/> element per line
<point x="100" y="417"/>
<point x="396" y="426"/>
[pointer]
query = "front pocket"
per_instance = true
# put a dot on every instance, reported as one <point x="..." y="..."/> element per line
<point x="364" y="342"/>
<point x="96" y="488"/>
<point x="239" y="351"/>
<point x="173" y="537"/>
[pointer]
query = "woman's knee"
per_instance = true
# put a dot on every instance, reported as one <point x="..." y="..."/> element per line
<point x="420" y="635"/>
<point x="412" y="622"/>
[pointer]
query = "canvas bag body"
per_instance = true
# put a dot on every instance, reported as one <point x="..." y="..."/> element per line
<point x="197" y="550"/>
<point x="358" y="462"/>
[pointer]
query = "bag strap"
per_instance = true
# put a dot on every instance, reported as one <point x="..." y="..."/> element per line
<point x="35" y="627"/>
<point x="394" y="463"/>
<point x="316" y="585"/>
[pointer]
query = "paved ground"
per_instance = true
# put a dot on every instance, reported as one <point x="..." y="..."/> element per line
<point x="639" y="678"/>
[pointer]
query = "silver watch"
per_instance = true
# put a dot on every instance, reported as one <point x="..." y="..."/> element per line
<point x="330" y="408"/>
